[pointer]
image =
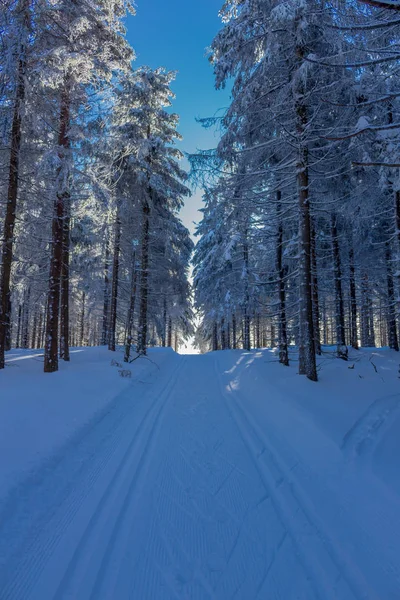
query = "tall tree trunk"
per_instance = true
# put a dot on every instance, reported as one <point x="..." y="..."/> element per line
<point x="307" y="358"/>
<point x="364" y="312"/>
<point x="18" y="340"/>
<point x="11" y="208"/>
<point x="115" y="282"/>
<point x="391" y="301"/>
<point x="258" y="331"/>
<point x="215" y="337"/>
<point x="64" y="314"/>
<point x="82" y="319"/>
<point x="246" y="308"/>
<point x="53" y="297"/>
<point x="38" y="340"/>
<point x="34" y="330"/>
<point x="131" y="310"/>
<point x="223" y="334"/>
<point x="315" y="292"/>
<point x="283" y="342"/>
<point x="339" y="305"/>
<point x="234" y="334"/>
<point x="25" y="320"/>
<point x="371" y="325"/>
<point x="164" y="325"/>
<point x="106" y="298"/>
<point x="169" y="341"/>
<point x="353" y="301"/>
<point x="144" y="279"/>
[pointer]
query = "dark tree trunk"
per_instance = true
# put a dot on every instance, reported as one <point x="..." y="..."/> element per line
<point x="64" y="314"/>
<point x="25" y="320"/>
<point x="391" y="302"/>
<point x="38" y="340"/>
<point x="18" y="340"/>
<point x="144" y="279"/>
<point x="53" y="297"/>
<point x="223" y="334"/>
<point x="131" y="310"/>
<point x="234" y="335"/>
<point x="164" y="329"/>
<point x="283" y="341"/>
<point x="315" y="293"/>
<point x="34" y="330"/>
<point x="115" y="282"/>
<point x="339" y="305"/>
<point x="82" y="319"/>
<point x="258" y="331"/>
<point x="353" y="302"/>
<point x="215" y="337"/>
<point x="11" y="208"/>
<point x="169" y="342"/>
<point x="307" y="358"/>
<point x="246" y="308"/>
<point x="106" y="301"/>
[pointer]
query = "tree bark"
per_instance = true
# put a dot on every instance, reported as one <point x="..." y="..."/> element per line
<point x="315" y="293"/>
<point x="164" y="324"/>
<point x="391" y="301"/>
<point x="64" y="314"/>
<point x="144" y="279"/>
<point x="106" y="300"/>
<point x="169" y="342"/>
<point x="53" y="297"/>
<point x="11" y="208"/>
<point x="307" y="358"/>
<point x="82" y="319"/>
<point x="131" y="310"/>
<point x="246" y="307"/>
<point x="115" y="282"/>
<point x="337" y="269"/>
<point x="353" y="301"/>
<point x="283" y="342"/>
<point x="234" y="334"/>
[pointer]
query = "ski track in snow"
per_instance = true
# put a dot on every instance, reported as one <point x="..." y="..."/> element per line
<point x="319" y="555"/>
<point x="363" y="437"/>
<point x="177" y="494"/>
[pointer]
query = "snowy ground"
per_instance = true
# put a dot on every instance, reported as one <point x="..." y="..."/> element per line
<point x="223" y="476"/>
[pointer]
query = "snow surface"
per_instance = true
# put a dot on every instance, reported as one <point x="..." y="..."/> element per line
<point x="221" y="476"/>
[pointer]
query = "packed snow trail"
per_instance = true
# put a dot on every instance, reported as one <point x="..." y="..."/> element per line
<point x="182" y="493"/>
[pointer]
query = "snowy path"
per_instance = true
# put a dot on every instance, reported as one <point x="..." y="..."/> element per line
<point x="182" y="494"/>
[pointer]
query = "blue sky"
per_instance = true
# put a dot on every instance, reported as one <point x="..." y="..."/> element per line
<point x="175" y="34"/>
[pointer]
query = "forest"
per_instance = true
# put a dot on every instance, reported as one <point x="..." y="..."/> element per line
<point x="298" y="243"/>
<point x="199" y="312"/>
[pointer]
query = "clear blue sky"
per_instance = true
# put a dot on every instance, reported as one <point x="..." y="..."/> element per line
<point x="175" y="34"/>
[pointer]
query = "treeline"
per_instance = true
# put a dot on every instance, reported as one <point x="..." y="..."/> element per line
<point x="300" y="241"/>
<point x="93" y="250"/>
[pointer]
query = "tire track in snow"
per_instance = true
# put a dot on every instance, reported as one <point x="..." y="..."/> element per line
<point x="57" y="536"/>
<point x="363" y="437"/>
<point x="320" y="556"/>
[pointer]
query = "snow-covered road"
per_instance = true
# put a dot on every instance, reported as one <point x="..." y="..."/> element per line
<point x="185" y="492"/>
